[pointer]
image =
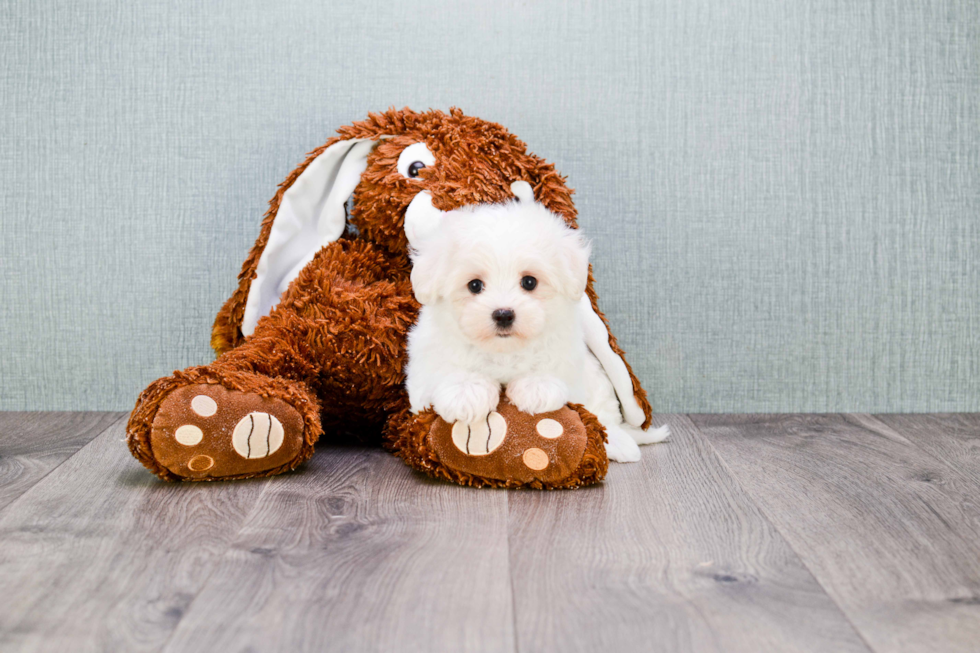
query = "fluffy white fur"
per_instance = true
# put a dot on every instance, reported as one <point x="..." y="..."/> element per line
<point x="459" y="358"/>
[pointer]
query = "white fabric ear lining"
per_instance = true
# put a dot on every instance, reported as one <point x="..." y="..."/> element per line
<point x="333" y="217"/>
<point x="311" y="215"/>
<point x="597" y="340"/>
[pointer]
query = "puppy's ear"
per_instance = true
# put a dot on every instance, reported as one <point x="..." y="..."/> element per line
<point x="574" y="266"/>
<point x="430" y="265"/>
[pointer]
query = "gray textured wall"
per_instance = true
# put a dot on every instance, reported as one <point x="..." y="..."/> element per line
<point x="783" y="194"/>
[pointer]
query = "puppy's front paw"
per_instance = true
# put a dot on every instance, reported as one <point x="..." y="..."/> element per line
<point x="537" y="394"/>
<point x="466" y="400"/>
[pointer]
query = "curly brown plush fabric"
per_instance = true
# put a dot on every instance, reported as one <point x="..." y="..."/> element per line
<point x="334" y="346"/>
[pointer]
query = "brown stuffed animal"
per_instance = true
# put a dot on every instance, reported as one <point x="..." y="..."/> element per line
<point x="313" y="339"/>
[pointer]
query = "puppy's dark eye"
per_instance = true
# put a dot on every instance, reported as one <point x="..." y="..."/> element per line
<point x="475" y="286"/>
<point x="414" y="167"/>
<point x="529" y="283"/>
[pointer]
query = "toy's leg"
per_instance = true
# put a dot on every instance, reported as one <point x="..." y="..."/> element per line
<point x="333" y="347"/>
<point x="561" y="449"/>
<point x="205" y="424"/>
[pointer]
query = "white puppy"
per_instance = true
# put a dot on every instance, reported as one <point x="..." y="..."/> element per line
<point x="500" y="287"/>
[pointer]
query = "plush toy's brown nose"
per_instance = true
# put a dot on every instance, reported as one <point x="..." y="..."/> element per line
<point x="503" y="317"/>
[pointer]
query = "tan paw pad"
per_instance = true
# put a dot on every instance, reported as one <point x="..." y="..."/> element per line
<point x="481" y="437"/>
<point x="257" y="435"/>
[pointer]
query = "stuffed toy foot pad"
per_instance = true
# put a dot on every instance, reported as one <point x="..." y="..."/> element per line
<point x="205" y="431"/>
<point x="514" y="449"/>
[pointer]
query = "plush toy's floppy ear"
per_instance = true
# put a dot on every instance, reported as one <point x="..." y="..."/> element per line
<point x="311" y="214"/>
<point x="597" y="338"/>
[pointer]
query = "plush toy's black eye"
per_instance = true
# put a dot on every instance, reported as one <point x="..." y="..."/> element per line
<point x="529" y="283"/>
<point x="414" y="167"/>
<point x="475" y="286"/>
<point x="413" y="158"/>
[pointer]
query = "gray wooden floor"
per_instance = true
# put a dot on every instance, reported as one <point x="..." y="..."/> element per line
<point x="742" y="533"/>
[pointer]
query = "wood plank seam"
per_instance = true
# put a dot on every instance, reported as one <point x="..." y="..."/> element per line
<point x="510" y="574"/>
<point x="668" y="554"/>
<point x="27" y="490"/>
<point x="890" y="430"/>
<point x="869" y="422"/>
<point x="772" y="522"/>
<point x="215" y="565"/>
<point x="93" y="462"/>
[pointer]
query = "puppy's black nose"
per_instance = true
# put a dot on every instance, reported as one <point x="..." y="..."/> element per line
<point x="503" y="317"/>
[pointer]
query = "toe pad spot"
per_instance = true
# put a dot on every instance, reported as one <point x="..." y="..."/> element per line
<point x="188" y="435"/>
<point x="549" y="428"/>
<point x="200" y="463"/>
<point x="204" y="405"/>
<point x="535" y="459"/>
